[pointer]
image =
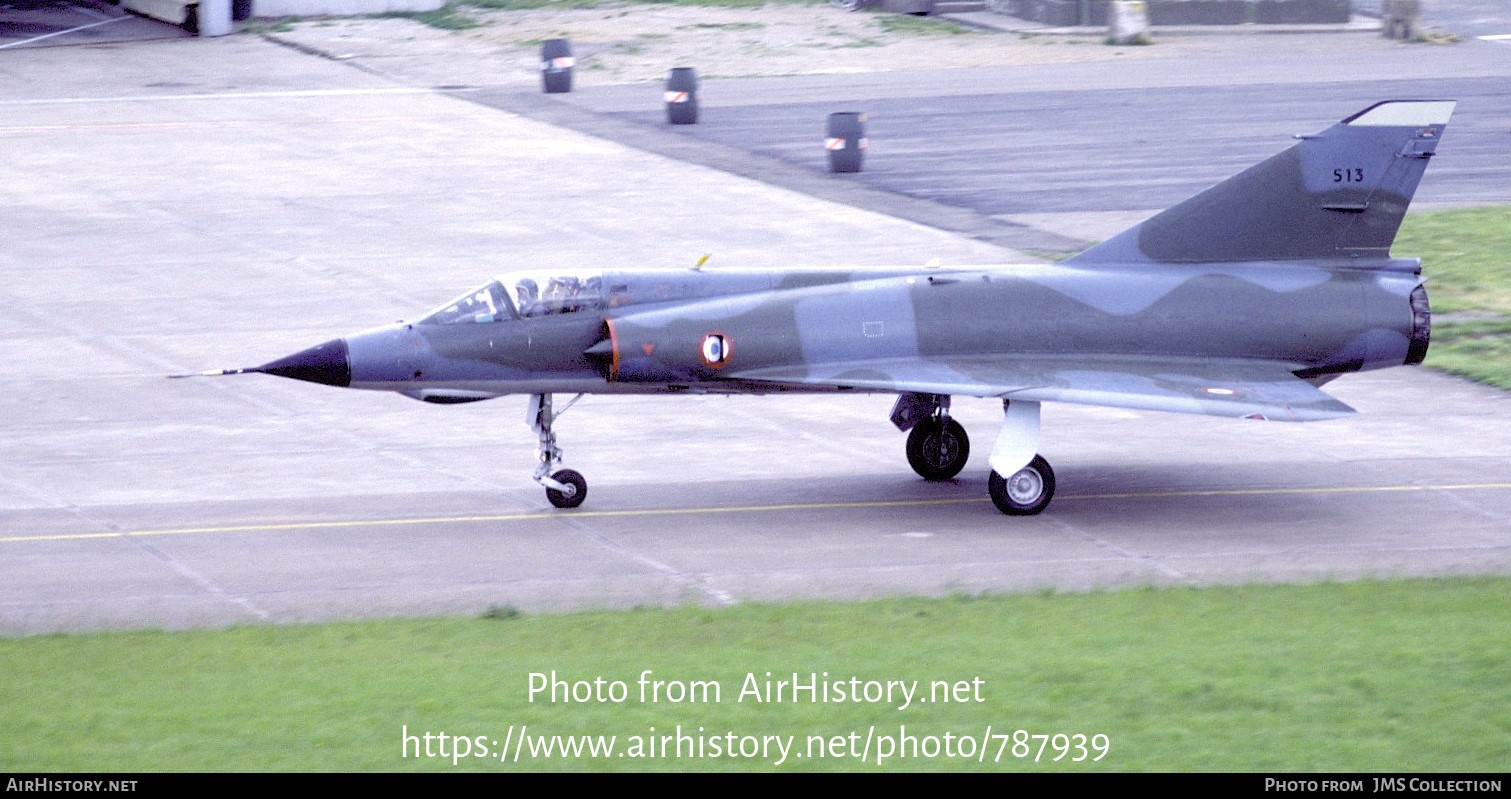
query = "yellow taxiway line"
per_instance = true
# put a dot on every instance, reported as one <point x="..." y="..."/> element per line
<point x="572" y="514"/>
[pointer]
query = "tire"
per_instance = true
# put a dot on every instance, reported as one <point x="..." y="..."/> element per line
<point x="937" y="451"/>
<point x="560" y="499"/>
<point x="1027" y="492"/>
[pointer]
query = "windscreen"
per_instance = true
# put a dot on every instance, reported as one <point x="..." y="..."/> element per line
<point x="482" y="305"/>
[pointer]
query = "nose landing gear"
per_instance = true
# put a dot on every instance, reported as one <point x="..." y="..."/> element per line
<point x="565" y="488"/>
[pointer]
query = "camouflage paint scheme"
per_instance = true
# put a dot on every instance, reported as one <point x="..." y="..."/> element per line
<point x="1238" y="302"/>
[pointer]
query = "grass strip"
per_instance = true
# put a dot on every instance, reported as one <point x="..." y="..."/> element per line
<point x="1466" y="255"/>
<point x="1396" y="675"/>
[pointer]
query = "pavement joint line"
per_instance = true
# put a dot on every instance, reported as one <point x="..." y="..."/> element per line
<point x="577" y="515"/>
<point x="690" y="581"/>
<point x="113" y="530"/>
<point x="284" y="94"/>
<point x="62" y="32"/>
<point x="132" y="127"/>
<point x="208" y="585"/>
<point x="1120" y="552"/>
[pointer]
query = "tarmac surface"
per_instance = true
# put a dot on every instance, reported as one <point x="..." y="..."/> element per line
<point x="58" y="23"/>
<point x="1024" y="165"/>
<point x="166" y="216"/>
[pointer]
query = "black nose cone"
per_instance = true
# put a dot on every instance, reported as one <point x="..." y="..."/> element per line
<point x="325" y="363"/>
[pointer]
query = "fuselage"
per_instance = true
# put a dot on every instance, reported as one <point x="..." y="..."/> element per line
<point x="1237" y="303"/>
<point x="695" y="330"/>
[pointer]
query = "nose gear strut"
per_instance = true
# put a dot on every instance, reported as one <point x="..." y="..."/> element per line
<point x="565" y="488"/>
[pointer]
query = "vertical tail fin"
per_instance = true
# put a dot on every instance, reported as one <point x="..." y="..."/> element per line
<point x="1339" y="194"/>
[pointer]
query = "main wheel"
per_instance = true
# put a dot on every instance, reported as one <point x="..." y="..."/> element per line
<point x="1027" y="492"/>
<point x="559" y="498"/>
<point x="938" y="451"/>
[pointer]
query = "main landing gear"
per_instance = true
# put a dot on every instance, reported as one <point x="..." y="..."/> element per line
<point x="938" y="446"/>
<point x="1030" y="483"/>
<point x="938" y="449"/>
<point x="565" y="488"/>
<point x="1027" y="492"/>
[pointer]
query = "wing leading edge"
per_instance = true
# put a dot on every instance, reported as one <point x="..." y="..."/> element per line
<point x="1232" y="389"/>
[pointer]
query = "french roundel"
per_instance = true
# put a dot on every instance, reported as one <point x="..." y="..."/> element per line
<point x="716" y="350"/>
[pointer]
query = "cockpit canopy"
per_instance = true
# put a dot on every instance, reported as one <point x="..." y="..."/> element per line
<point x="523" y="295"/>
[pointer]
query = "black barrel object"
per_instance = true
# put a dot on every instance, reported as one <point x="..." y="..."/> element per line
<point x="556" y="64"/>
<point x="846" y="141"/>
<point x="682" y="96"/>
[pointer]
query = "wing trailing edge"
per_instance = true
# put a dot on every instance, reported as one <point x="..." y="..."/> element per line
<point x="1236" y="389"/>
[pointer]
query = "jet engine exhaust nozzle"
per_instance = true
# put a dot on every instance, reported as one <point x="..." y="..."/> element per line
<point x="1421" y="327"/>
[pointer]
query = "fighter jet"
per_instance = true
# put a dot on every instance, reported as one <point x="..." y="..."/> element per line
<point x="1239" y="302"/>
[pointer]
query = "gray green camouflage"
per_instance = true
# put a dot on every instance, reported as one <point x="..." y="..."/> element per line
<point x="1239" y="302"/>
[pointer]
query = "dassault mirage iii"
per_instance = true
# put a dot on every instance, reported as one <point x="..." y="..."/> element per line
<point x="1239" y="302"/>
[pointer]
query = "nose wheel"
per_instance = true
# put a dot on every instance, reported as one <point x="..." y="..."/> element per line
<point x="574" y="489"/>
<point x="565" y="488"/>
